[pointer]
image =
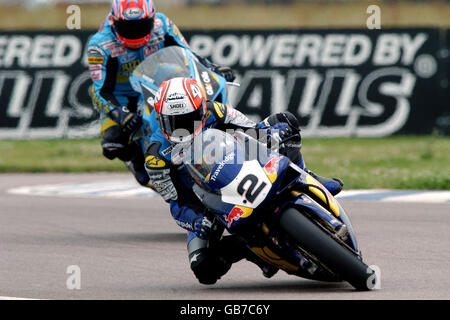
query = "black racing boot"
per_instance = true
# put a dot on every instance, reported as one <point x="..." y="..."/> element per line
<point x="267" y="269"/>
<point x="207" y="264"/>
<point x="234" y="249"/>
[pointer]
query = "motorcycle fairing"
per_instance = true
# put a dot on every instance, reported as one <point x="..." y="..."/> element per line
<point x="254" y="182"/>
<point x="322" y="193"/>
<point x="268" y="255"/>
<point x="306" y="203"/>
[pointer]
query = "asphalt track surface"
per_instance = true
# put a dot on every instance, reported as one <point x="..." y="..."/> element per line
<point x="132" y="249"/>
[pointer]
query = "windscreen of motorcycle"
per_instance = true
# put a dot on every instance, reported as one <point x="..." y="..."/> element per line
<point x="169" y="63"/>
<point x="214" y="158"/>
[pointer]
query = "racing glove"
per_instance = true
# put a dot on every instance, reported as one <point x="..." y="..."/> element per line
<point x="202" y="227"/>
<point x="225" y="72"/>
<point x="161" y="181"/>
<point x="276" y="134"/>
<point x="128" y="121"/>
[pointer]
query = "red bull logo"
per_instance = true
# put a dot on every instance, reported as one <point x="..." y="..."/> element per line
<point x="237" y="213"/>
<point x="271" y="168"/>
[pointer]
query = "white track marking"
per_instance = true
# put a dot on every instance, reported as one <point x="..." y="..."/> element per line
<point x="423" y="196"/>
<point x="15" y="298"/>
<point x="129" y="188"/>
<point x="105" y="189"/>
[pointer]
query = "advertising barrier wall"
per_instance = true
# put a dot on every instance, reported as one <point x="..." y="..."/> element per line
<point x="44" y="83"/>
<point x="340" y="82"/>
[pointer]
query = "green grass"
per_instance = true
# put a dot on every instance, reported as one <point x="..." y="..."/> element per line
<point x="55" y="156"/>
<point x="394" y="162"/>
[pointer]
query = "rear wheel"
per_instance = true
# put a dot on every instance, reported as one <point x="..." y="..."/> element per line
<point x="327" y="250"/>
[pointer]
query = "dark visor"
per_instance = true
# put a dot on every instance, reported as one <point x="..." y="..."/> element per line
<point x="134" y="29"/>
<point x="186" y="123"/>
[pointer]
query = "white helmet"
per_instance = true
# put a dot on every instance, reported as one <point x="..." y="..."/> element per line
<point x="180" y="105"/>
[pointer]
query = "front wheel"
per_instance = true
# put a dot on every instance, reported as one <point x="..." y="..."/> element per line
<point x="327" y="250"/>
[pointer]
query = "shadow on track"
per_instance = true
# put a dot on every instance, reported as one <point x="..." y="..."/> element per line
<point x="90" y="239"/>
<point x="143" y="237"/>
<point x="285" y="286"/>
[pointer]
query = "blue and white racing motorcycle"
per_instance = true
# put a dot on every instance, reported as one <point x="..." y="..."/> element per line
<point x="282" y="213"/>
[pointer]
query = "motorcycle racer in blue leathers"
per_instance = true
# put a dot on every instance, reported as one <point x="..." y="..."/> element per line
<point x="132" y="31"/>
<point x="180" y="104"/>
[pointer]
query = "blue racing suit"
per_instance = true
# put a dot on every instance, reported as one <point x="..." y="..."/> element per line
<point x="111" y="64"/>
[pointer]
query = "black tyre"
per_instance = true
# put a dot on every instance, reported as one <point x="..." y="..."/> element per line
<point x="328" y="251"/>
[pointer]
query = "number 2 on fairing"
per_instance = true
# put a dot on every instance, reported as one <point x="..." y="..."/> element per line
<point x="250" y="193"/>
<point x="249" y="188"/>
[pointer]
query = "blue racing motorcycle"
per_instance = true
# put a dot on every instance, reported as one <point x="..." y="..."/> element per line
<point x="172" y="62"/>
<point x="282" y="213"/>
<point x="169" y="63"/>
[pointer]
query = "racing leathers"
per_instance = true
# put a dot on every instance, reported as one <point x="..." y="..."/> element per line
<point x="210" y="253"/>
<point x="111" y="64"/>
<point x="209" y="259"/>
